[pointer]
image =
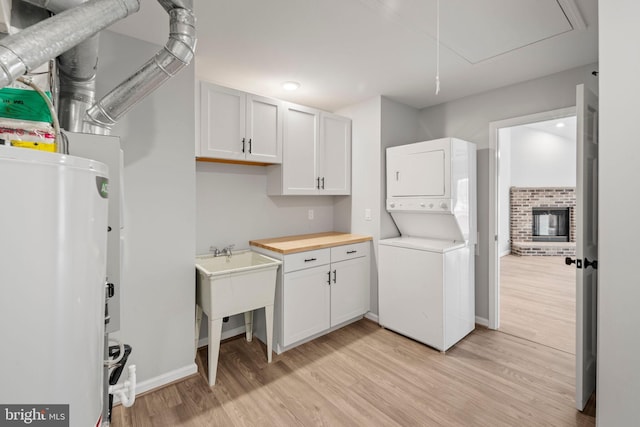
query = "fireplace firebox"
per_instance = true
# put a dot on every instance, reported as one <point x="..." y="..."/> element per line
<point x="550" y="224"/>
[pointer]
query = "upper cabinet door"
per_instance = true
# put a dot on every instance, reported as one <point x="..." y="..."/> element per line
<point x="222" y="122"/>
<point x="299" y="172"/>
<point x="263" y="129"/>
<point x="334" y="155"/>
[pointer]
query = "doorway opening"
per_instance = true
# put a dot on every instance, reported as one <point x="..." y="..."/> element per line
<point x="529" y="166"/>
<point x="536" y="230"/>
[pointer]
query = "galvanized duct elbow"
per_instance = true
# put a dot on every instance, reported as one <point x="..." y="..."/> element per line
<point x="176" y="54"/>
<point x="48" y="39"/>
<point x="77" y="69"/>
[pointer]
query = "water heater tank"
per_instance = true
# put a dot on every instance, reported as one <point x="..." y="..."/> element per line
<point x="53" y="239"/>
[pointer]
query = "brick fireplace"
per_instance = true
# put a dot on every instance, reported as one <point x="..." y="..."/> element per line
<point x="547" y="201"/>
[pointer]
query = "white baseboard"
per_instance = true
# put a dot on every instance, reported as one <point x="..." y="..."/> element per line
<point x="161" y="380"/>
<point x="482" y="321"/>
<point x="371" y="316"/>
<point x="240" y="330"/>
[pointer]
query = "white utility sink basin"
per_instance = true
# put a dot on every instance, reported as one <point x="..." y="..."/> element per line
<point x="228" y="285"/>
<point x="241" y="261"/>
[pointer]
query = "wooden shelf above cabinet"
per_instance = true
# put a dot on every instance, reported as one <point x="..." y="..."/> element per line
<point x="233" y="162"/>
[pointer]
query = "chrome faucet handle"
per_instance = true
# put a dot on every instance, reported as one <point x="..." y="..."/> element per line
<point x="215" y="250"/>
<point x="227" y="250"/>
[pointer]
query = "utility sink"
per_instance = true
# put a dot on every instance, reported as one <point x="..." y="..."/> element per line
<point x="239" y="262"/>
<point x="228" y="285"/>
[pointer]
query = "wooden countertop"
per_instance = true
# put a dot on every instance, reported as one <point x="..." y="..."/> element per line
<point x="307" y="242"/>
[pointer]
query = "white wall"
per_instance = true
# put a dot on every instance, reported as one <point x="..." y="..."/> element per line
<point x="468" y="118"/>
<point x="158" y="293"/>
<point x="541" y="159"/>
<point x="365" y="178"/>
<point x="618" y="383"/>
<point x="233" y="207"/>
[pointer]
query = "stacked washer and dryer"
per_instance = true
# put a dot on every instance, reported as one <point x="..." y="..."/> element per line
<point x="426" y="275"/>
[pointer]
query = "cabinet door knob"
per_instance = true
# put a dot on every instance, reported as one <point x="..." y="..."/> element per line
<point x="243" y="145"/>
<point x="329" y="277"/>
<point x="335" y="275"/>
<point x="323" y="182"/>
<point x="249" y="145"/>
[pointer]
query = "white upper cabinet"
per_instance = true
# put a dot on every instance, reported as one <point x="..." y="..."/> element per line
<point x="317" y="154"/>
<point x="334" y="155"/>
<point x="239" y="126"/>
<point x="301" y="129"/>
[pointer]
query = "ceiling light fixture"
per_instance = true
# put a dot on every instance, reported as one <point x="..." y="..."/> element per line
<point x="290" y="86"/>
<point x="560" y="125"/>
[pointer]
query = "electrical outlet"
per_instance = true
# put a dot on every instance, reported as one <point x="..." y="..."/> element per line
<point x="310" y="214"/>
<point x="367" y="214"/>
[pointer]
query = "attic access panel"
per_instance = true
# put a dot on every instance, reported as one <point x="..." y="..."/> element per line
<point x="480" y="30"/>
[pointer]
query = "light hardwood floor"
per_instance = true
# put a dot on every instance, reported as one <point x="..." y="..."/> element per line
<point x="364" y="375"/>
<point x="538" y="300"/>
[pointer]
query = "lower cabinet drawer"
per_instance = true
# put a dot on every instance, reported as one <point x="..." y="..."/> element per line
<point x="344" y="252"/>
<point x="307" y="259"/>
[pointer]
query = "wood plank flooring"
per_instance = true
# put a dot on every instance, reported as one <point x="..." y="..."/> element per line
<point x="538" y="300"/>
<point x="364" y="375"/>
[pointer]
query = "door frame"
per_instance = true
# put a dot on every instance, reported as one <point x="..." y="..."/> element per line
<point x="494" y="259"/>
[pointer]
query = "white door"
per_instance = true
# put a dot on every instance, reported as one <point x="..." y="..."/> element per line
<point x="222" y="122"/>
<point x="349" y="289"/>
<point x="306" y="303"/>
<point x="420" y="174"/>
<point x="300" y="173"/>
<point x="264" y="130"/>
<point x="334" y="155"/>
<point x="586" y="244"/>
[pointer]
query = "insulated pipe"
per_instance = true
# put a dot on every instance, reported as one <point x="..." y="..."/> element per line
<point x="176" y="54"/>
<point x="77" y="71"/>
<point x="48" y="39"/>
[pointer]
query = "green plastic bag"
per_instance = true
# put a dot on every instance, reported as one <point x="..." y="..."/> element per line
<point x="23" y="104"/>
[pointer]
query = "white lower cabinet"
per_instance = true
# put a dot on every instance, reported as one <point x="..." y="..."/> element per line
<point x="306" y="304"/>
<point x="349" y="289"/>
<point x="318" y="291"/>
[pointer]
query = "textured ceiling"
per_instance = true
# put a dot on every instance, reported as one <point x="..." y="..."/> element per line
<point x="343" y="52"/>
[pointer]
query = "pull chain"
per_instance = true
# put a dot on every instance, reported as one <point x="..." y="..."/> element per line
<point x="437" y="46"/>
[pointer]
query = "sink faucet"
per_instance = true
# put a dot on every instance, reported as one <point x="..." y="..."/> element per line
<point x="225" y="251"/>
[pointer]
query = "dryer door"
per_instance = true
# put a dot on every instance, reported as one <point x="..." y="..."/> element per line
<point x="423" y="172"/>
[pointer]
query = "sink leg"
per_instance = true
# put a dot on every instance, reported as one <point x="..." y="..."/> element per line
<point x="215" y="331"/>
<point x="248" y="324"/>
<point x="268" y="314"/>
<point x="198" y="325"/>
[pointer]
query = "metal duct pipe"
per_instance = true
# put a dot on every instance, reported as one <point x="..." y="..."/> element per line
<point x="176" y="54"/>
<point x="48" y="39"/>
<point x="77" y="67"/>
